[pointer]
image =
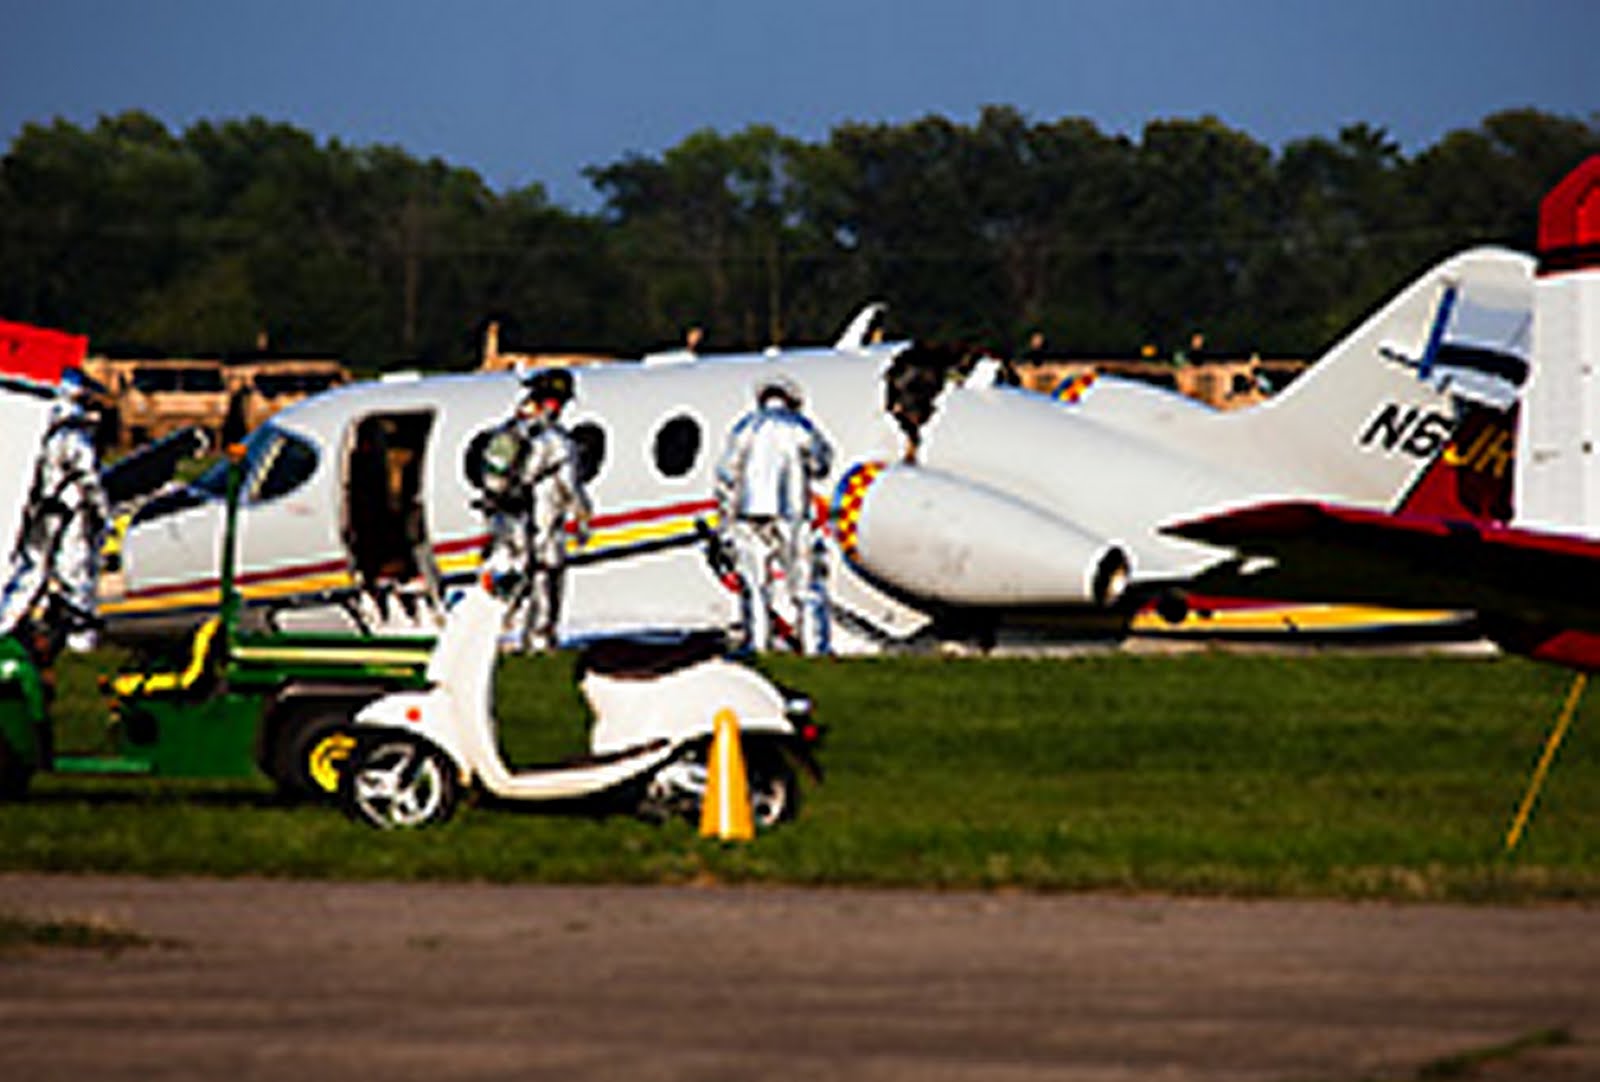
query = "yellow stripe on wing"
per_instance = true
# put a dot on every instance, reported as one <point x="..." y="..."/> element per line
<point x="1293" y="618"/>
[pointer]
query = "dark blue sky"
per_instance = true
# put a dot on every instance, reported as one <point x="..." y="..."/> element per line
<point x="530" y="91"/>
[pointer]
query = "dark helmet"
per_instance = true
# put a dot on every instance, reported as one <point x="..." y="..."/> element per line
<point x="78" y="399"/>
<point x="546" y="384"/>
<point x="79" y="385"/>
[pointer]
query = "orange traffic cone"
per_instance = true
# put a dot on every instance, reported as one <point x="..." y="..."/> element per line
<point x="725" y="812"/>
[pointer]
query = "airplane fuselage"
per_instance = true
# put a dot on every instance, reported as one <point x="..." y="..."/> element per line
<point x="995" y="499"/>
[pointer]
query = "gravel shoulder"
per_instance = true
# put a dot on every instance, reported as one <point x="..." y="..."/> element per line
<point x="287" y="980"/>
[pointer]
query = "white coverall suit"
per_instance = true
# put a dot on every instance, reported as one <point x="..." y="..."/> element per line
<point x="527" y="546"/>
<point x="58" y="544"/>
<point x="764" y="510"/>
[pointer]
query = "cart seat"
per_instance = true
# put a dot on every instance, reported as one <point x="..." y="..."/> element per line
<point x="646" y="657"/>
<point x="165" y="683"/>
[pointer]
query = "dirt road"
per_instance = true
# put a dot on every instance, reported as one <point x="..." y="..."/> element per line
<point x="269" y="981"/>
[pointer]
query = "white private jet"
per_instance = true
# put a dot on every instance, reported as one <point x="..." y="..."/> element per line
<point x="956" y="502"/>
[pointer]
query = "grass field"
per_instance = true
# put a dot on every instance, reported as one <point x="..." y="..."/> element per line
<point x="1320" y="775"/>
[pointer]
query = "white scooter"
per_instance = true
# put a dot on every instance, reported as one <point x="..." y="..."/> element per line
<point x="653" y="704"/>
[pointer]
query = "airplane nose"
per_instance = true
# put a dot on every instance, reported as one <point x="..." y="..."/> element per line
<point x="934" y="535"/>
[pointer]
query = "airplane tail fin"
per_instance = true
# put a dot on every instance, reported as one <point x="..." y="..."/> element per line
<point x="1394" y="402"/>
<point x="857" y="334"/>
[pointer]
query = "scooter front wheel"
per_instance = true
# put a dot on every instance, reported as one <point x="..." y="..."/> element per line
<point x="397" y="780"/>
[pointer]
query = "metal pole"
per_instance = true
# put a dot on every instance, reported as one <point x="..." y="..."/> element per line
<point x="1514" y="835"/>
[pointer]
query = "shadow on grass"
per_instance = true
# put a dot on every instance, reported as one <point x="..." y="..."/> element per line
<point x="98" y="797"/>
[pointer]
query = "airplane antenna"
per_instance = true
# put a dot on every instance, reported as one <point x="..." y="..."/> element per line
<point x="855" y="335"/>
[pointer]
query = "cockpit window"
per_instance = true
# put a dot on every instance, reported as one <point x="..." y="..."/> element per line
<point x="276" y="463"/>
<point x="283" y="467"/>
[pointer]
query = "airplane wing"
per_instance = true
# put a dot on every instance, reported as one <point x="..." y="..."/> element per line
<point x="1516" y="579"/>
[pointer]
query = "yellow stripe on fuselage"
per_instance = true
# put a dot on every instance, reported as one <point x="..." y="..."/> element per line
<point x="601" y="542"/>
<point x="628" y="536"/>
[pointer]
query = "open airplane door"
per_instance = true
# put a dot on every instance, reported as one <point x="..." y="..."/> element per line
<point x="385" y="522"/>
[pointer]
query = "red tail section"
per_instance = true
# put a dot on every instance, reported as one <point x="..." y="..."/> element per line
<point x="1472" y="476"/>
<point x="37" y="354"/>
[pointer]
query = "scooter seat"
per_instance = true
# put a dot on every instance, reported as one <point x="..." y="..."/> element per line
<point x="642" y="658"/>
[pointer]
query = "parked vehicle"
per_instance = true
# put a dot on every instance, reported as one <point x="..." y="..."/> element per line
<point x="653" y="707"/>
<point x="234" y="705"/>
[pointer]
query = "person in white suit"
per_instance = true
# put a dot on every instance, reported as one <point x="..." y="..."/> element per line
<point x="57" y="556"/>
<point x="765" y="517"/>
<point x="534" y="491"/>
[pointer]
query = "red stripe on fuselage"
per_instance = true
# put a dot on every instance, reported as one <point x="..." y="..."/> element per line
<point x="460" y="544"/>
<point x="250" y="578"/>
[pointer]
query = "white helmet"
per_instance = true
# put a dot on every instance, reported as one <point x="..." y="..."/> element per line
<point x="779" y="385"/>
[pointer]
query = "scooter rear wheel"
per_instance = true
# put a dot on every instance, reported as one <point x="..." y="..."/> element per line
<point x="774" y="789"/>
<point x="395" y="780"/>
<point x="679" y="788"/>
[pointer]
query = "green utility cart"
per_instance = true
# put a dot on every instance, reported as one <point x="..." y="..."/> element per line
<point x="237" y="705"/>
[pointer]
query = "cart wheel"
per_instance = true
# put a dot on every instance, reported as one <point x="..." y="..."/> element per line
<point x="311" y="749"/>
<point x="396" y="780"/>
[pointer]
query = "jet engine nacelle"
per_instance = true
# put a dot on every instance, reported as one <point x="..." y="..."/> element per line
<point x="934" y="535"/>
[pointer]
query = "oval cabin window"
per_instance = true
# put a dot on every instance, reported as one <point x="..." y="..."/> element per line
<point x="677" y="446"/>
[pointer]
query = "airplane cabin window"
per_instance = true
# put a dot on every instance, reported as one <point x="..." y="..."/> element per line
<point x="677" y="447"/>
<point x="590" y="439"/>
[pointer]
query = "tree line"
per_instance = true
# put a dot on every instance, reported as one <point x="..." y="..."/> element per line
<point x="236" y="235"/>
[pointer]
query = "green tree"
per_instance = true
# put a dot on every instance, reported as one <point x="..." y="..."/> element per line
<point x="1198" y="214"/>
<point x="93" y="218"/>
<point x="1346" y="235"/>
<point x="1484" y="185"/>
<point x="705" y="228"/>
<point x="246" y="228"/>
<point x="908" y="217"/>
